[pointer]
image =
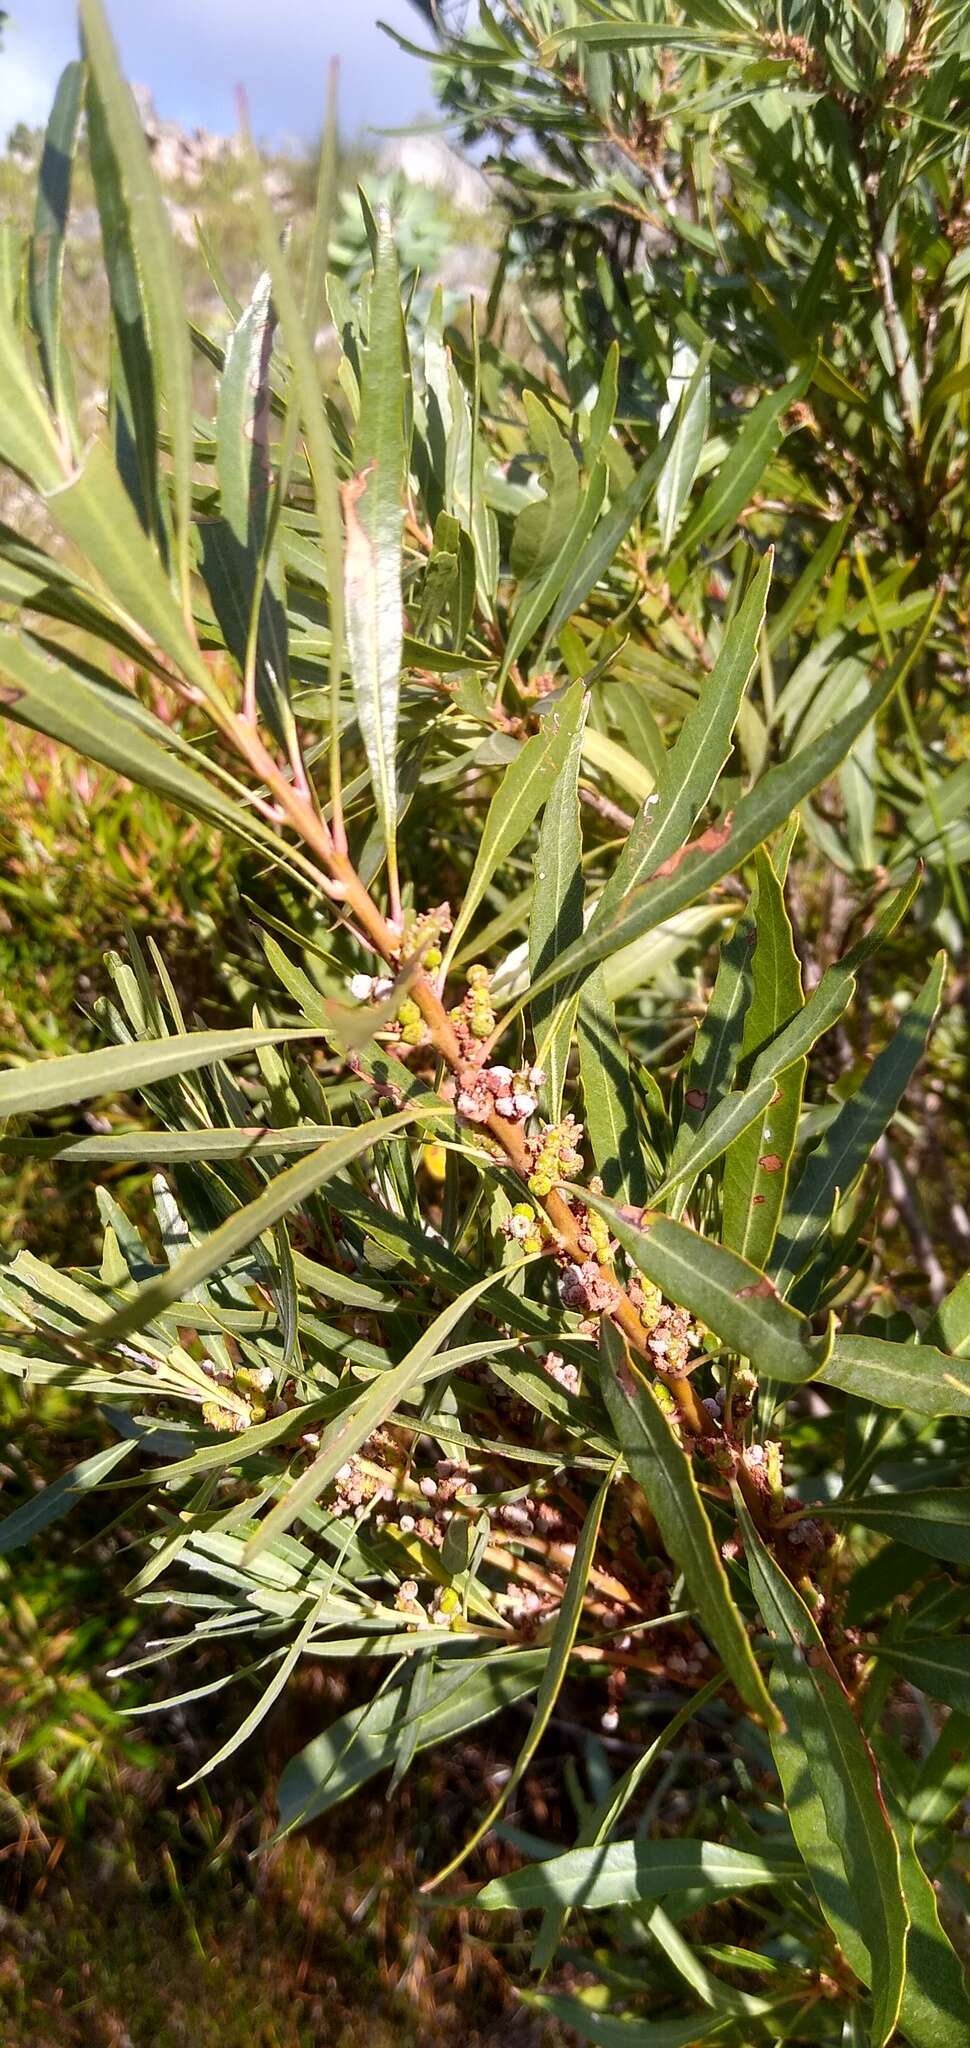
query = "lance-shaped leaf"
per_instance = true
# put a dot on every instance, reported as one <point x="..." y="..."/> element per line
<point x="621" y="1873"/>
<point x="940" y="1668"/>
<point x="936" y="1520"/>
<point x="935" y="2008"/>
<point x="358" y="1422"/>
<point x="41" y="1085"/>
<point x="691" y="768"/>
<point x="365" y="1741"/>
<point x="242" y="424"/>
<point x="245" y="1225"/>
<point x="56" y="1500"/>
<point x="734" y="1114"/>
<point x="728" y="1295"/>
<point x="536" y="598"/>
<point x="756" y="1167"/>
<point x="831" y="1785"/>
<point x="557" y="913"/>
<point x="133" y="393"/>
<point x="951" y="1324"/>
<point x="713" y="1058"/>
<point x="600" y="549"/>
<point x="104" y="725"/>
<point x="656" y="1459"/>
<point x="28" y="441"/>
<point x="697" y="866"/>
<point x="527" y="782"/>
<point x="609" y="1103"/>
<point x="50" y="232"/>
<point x="915" y="1376"/>
<point x="374" y="518"/>
<point x="743" y="468"/>
<point x="706" y="1130"/>
<point x="554" y="1671"/>
<point x="600" y="1820"/>
<point x="609" y="2030"/>
<point x="157" y="265"/>
<point x="688" y="410"/>
<point x="96" y="513"/>
<point x="847" y="1143"/>
<point x="544" y="522"/>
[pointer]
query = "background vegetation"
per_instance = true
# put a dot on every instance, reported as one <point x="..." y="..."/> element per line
<point x="686" y="607"/>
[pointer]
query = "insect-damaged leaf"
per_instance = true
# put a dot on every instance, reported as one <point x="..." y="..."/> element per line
<point x="729" y="1296"/>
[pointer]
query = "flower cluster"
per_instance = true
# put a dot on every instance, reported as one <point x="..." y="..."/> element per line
<point x="483" y="1091"/>
<point x="474" y="1015"/>
<point x="524" y="1227"/>
<point x="588" y="1289"/>
<point x="249" y="1384"/>
<point x="421" y="935"/>
<point x="556" y="1156"/>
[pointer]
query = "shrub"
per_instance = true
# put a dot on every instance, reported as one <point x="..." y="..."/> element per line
<point x="518" y="1319"/>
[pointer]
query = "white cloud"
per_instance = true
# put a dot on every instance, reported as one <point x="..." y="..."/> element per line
<point x="191" y="53"/>
<point x="27" y="83"/>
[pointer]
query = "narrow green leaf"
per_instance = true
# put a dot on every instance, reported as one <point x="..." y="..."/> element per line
<point x="524" y="788"/>
<point x="692" y="766"/>
<point x="739" y="475"/>
<point x="609" y="1103"/>
<point x="935" y="2008"/>
<point x="544" y="522"/>
<point x="50" y="233"/>
<point x="598" y="1824"/>
<point x="41" y="1085"/>
<point x="96" y="513"/>
<point x="846" y="1144"/>
<point x="245" y="1225"/>
<point x="714" y="1057"/>
<point x="735" y="1113"/>
<point x="103" y="726"/>
<point x="157" y="265"/>
<point x="936" y="1520"/>
<point x="698" y="865"/>
<point x="757" y="1163"/>
<point x="52" y="1502"/>
<point x="271" y="1692"/>
<point x="374" y="513"/>
<point x="358" y="1422"/>
<point x="242" y="423"/>
<point x="623" y="1873"/>
<point x="365" y="1741"/>
<point x="689" y="414"/>
<point x="613" y="528"/>
<point x="608" y="2031"/>
<point x="554" y="1671"/>
<point x="171" y="1148"/>
<point x="940" y="1786"/>
<point x="830" y="1000"/>
<point x="540" y="595"/>
<point x="557" y="913"/>
<point x="28" y="440"/>
<point x="657" y="1461"/>
<point x="914" y="1376"/>
<point x="133" y="393"/>
<point x="831" y="1785"/>
<point x="729" y="1296"/>
<point x="950" y="1327"/>
<point x="940" y="1668"/>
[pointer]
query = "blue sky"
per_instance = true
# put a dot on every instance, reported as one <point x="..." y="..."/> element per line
<point x="192" y="53"/>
